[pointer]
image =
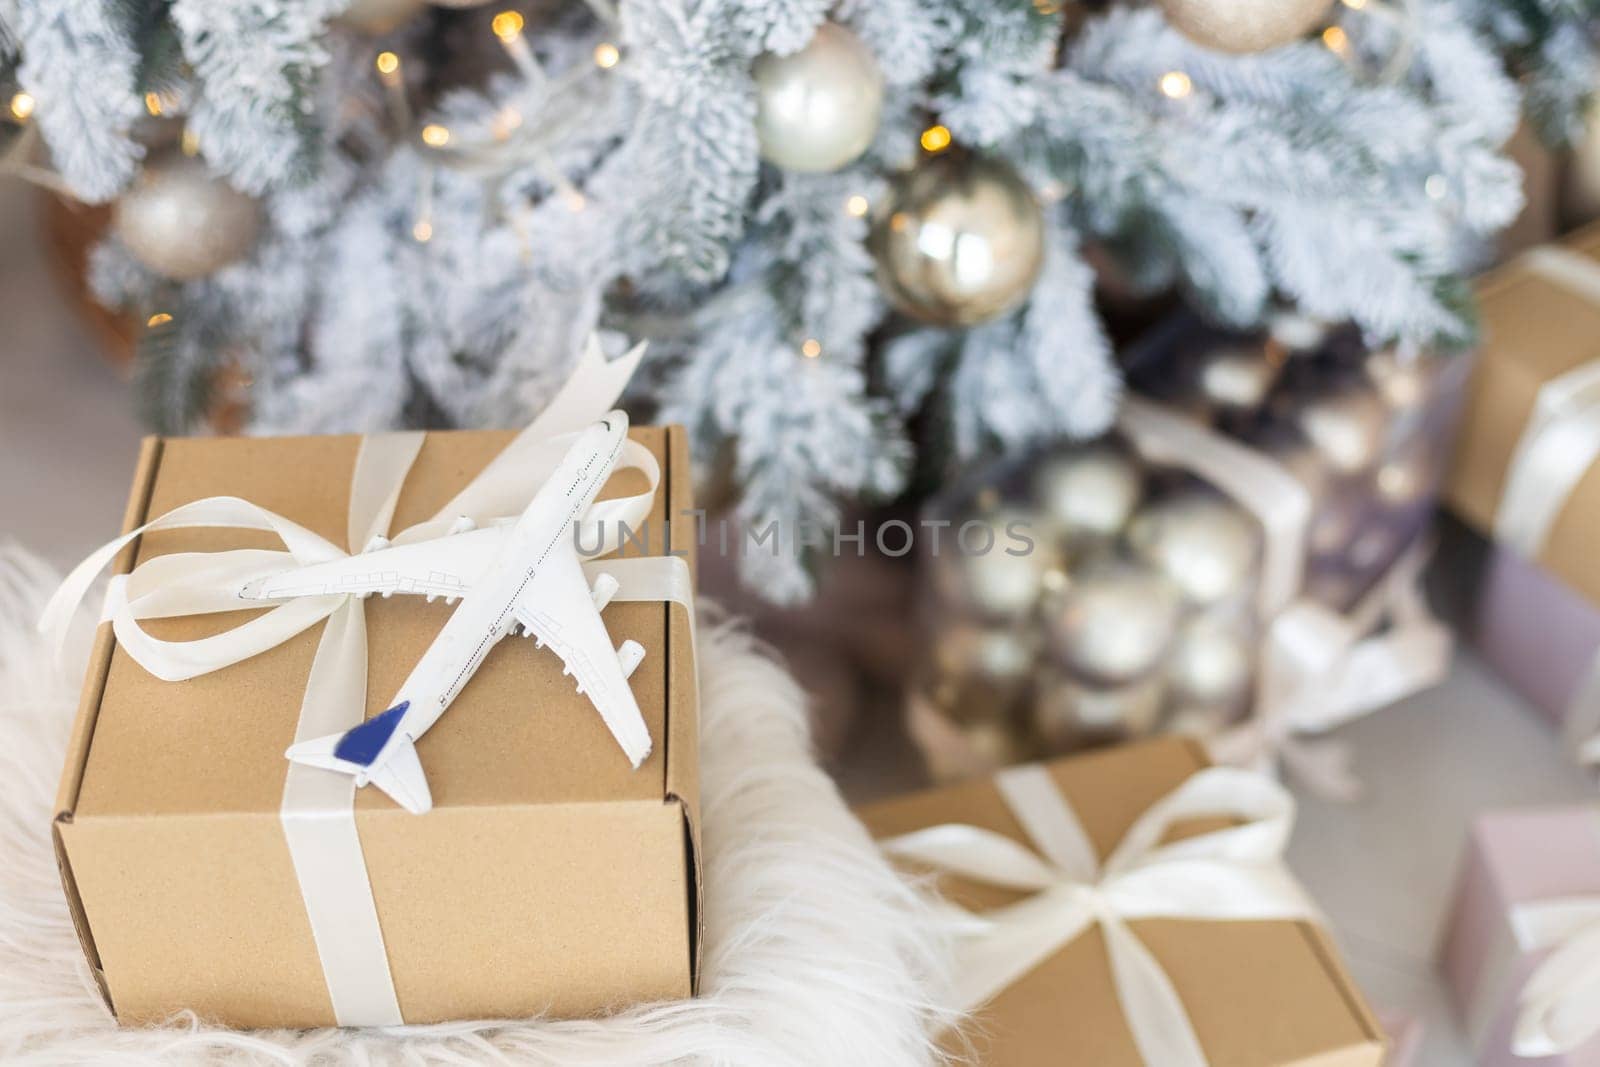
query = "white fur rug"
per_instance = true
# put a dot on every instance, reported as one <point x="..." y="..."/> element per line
<point x="815" y="952"/>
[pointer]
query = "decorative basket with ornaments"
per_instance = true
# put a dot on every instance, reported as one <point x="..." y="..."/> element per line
<point x="1238" y="560"/>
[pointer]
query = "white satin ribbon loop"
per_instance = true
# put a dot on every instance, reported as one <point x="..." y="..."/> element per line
<point x="1559" y="1007"/>
<point x="1233" y="873"/>
<point x="1562" y="438"/>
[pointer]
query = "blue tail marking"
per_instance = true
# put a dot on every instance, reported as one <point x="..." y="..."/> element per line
<point x="361" y="744"/>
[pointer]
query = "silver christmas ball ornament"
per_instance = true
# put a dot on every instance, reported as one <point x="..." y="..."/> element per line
<point x="1089" y="493"/>
<point x="996" y="653"/>
<point x="1203" y="543"/>
<point x="817" y="109"/>
<point x="184" y="222"/>
<point x="1245" y="25"/>
<point x="377" y="17"/>
<point x="994" y="566"/>
<point x="1113" y="622"/>
<point x="1347" y="427"/>
<point x="959" y="240"/>
<point x="1068" y="714"/>
<point x="1236" y="379"/>
<point x="1211" y="664"/>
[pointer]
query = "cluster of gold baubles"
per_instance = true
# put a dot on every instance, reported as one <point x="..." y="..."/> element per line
<point x="1135" y="607"/>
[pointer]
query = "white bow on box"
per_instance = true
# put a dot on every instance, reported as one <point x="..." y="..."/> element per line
<point x="317" y="811"/>
<point x="1559" y="1007"/>
<point x="1319" y="668"/>
<point x="1231" y="874"/>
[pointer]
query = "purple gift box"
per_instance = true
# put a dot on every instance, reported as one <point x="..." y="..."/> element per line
<point x="1515" y="859"/>
<point x="1539" y="635"/>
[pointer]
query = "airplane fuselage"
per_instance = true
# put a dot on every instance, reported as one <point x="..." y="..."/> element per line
<point x="486" y="614"/>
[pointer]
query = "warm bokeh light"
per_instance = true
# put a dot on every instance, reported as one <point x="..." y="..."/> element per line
<point x="935" y="138"/>
<point x="1176" y="84"/>
<point x="606" y="55"/>
<point x="160" y="318"/>
<point x="506" y="25"/>
<point x="435" y="135"/>
<point x="22" y="106"/>
<point x="387" y="62"/>
<point x="856" y="206"/>
<point x="811" y="348"/>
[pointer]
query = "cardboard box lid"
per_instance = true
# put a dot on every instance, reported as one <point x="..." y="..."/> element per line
<point x="1260" y="994"/>
<point x="1533" y="330"/>
<point x="215" y="743"/>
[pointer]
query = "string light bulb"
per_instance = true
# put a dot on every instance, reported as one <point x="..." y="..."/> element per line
<point x="856" y="206"/>
<point x="1355" y="5"/>
<point x="935" y="138"/>
<point x="507" y="25"/>
<point x="422" y="231"/>
<point x="1176" y="85"/>
<point x="606" y="55"/>
<point x="160" y="318"/>
<point x="1336" y="39"/>
<point x="22" y="105"/>
<point x="189" y="143"/>
<point x="435" y="135"/>
<point x="811" y="348"/>
<point x="387" y="63"/>
<point x="152" y="103"/>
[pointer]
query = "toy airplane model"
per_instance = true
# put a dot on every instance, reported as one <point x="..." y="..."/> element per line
<point x="534" y="579"/>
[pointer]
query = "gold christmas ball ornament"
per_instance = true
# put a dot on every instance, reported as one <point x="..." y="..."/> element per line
<point x="1347" y="427"/>
<point x="817" y="109"/>
<point x="1206" y="545"/>
<point x="1405" y="381"/>
<point x="1211" y="664"/>
<point x="960" y="239"/>
<point x="994" y="565"/>
<point x="377" y="17"/>
<point x="1113" y="622"/>
<point x="1089" y="493"/>
<point x="1245" y="25"/>
<point x="1068" y="715"/>
<point x="184" y="222"/>
<point x="1236" y="379"/>
<point x="996" y="653"/>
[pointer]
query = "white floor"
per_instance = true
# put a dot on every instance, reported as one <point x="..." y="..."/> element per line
<point x="1383" y="868"/>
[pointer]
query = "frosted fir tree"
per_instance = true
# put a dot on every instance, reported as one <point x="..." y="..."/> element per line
<point x="833" y="221"/>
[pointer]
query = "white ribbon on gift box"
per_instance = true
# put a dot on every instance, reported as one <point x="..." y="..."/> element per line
<point x="1319" y="669"/>
<point x="1231" y="874"/>
<point x="317" y="811"/>
<point x="1559" y="444"/>
<point x="1559" y="1007"/>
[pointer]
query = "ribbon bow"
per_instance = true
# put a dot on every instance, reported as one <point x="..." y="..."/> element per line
<point x="1559" y="1008"/>
<point x="1231" y="874"/>
<point x="199" y="583"/>
<point x="1319" y="669"/>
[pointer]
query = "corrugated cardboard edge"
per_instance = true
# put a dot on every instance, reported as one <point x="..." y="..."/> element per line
<point x="683" y="692"/>
<point x="89" y="708"/>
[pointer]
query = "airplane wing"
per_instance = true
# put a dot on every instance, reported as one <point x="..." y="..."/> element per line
<point x="441" y="566"/>
<point x="558" y="608"/>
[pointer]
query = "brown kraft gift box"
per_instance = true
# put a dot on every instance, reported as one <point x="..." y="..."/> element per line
<point x="1533" y="330"/>
<point x="549" y="878"/>
<point x="1259" y="994"/>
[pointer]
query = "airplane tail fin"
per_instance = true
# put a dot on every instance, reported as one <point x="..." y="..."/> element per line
<point x="365" y="752"/>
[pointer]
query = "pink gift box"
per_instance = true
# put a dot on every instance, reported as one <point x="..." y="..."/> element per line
<point x="1539" y="635"/>
<point x="1514" y="858"/>
<point x="1405" y="1038"/>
